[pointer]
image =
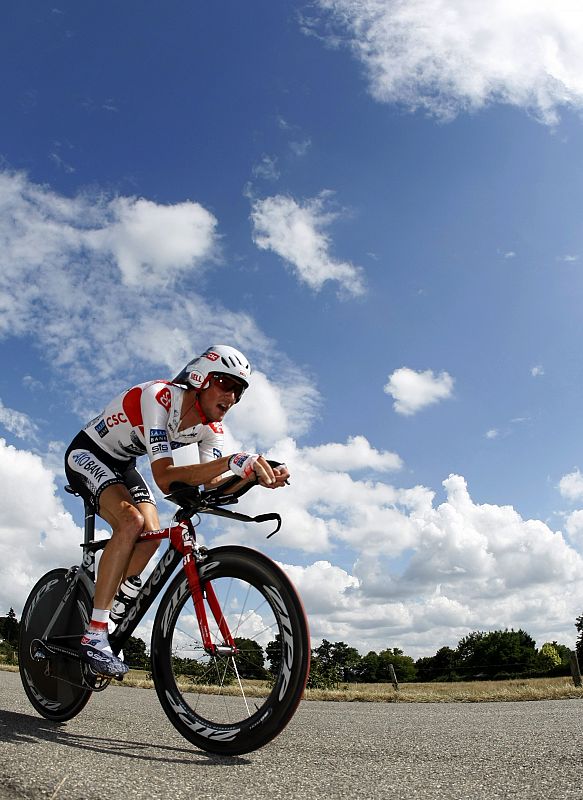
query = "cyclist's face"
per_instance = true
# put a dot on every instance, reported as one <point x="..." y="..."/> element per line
<point x="218" y="398"/>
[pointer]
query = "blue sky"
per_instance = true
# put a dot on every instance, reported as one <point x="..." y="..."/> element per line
<point x="380" y="203"/>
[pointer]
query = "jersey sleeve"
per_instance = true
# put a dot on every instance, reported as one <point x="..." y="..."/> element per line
<point x="156" y="401"/>
<point x="212" y="443"/>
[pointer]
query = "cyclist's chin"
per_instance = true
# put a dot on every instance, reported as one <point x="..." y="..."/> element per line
<point x="217" y="414"/>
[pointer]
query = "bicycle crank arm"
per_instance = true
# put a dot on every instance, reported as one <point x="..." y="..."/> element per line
<point x="40" y="650"/>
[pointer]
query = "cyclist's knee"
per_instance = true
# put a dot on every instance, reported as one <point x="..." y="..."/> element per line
<point x="129" y="522"/>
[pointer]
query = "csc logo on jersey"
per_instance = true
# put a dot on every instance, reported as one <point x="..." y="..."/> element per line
<point x="164" y="397"/>
<point x="115" y="419"/>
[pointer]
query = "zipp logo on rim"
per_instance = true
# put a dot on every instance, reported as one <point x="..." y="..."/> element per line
<point x="50" y="705"/>
<point x="197" y="727"/>
<point x="286" y="635"/>
<point x="46" y="588"/>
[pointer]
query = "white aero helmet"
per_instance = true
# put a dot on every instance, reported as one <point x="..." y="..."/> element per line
<point x="221" y="358"/>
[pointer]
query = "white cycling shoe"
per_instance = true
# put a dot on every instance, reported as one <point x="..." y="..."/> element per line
<point x="103" y="662"/>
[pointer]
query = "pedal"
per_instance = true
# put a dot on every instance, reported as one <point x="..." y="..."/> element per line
<point x="39" y="651"/>
<point x="101" y="676"/>
<point x="93" y="680"/>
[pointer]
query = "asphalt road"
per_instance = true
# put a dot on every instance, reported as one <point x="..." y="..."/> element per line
<point x="121" y="746"/>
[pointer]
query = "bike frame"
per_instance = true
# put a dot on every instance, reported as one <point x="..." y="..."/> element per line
<point x="182" y="547"/>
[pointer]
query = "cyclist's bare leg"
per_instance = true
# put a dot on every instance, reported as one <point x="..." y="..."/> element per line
<point x="127" y="522"/>
<point x="144" y="551"/>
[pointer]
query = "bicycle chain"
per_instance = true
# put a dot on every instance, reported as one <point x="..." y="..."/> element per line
<point x="97" y="683"/>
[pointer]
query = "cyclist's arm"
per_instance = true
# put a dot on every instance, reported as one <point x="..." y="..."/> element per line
<point x="280" y="478"/>
<point x="166" y="472"/>
<point x="210" y="448"/>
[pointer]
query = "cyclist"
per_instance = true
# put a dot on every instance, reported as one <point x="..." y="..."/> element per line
<point x="155" y="418"/>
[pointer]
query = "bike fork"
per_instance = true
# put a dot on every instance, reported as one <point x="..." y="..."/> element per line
<point x="228" y="646"/>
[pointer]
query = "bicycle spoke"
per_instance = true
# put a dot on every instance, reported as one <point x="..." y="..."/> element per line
<point x="241" y="687"/>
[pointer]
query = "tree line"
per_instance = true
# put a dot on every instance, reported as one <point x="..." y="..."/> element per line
<point x="479" y="655"/>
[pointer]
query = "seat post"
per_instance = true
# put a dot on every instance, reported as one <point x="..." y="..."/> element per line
<point x="89" y="531"/>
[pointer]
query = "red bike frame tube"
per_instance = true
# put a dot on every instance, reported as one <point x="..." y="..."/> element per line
<point x="219" y="616"/>
<point x="183" y="544"/>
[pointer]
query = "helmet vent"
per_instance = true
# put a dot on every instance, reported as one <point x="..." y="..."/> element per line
<point x="232" y="361"/>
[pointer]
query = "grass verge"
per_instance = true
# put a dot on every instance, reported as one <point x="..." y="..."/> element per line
<point x="462" y="692"/>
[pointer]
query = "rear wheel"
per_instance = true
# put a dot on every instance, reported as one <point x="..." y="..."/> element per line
<point x="54" y="683"/>
<point x="232" y="702"/>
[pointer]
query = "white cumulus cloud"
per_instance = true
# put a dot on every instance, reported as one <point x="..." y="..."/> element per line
<point x="35" y="541"/>
<point x="574" y="528"/>
<point x="450" y="56"/>
<point x="413" y="391"/>
<point x="17" y="423"/>
<point x="80" y="275"/>
<point x="297" y="232"/>
<point x="155" y="243"/>
<point x="422" y="575"/>
<point x="356" y="454"/>
<point x="571" y="485"/>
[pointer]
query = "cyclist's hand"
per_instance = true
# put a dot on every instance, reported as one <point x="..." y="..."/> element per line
<point x="278" y="475"/>
<point x="281" y="475"/>
<point x="264" y="473"/>
<point x="249" y="465"/>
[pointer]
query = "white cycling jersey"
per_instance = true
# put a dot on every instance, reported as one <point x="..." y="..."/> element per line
<point x="146" y="419"/>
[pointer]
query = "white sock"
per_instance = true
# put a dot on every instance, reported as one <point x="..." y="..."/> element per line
<point x="97" y="632"/>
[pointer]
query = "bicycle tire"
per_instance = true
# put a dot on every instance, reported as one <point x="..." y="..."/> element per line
<point x="259" y="602"/>
<point x="54" y="685"/>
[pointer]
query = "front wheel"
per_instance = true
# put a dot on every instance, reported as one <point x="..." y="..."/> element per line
<point x="54" y="683"/>
<point x="231" y="703"/>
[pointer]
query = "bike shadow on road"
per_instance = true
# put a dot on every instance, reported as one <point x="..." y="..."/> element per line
<point x="28" y="728"/>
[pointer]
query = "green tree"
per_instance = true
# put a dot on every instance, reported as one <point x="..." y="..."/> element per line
<point x="331" y="662"/>
<point x="548" y="657"/>
<point x="326" y="667"/>
<point x="9" y="628"/>
<point x="273" y="654"/>
<point x="135" y="655"/>
<point x="347" y="659"/>
<point x="579" y="645"/>
<point x="486" y="654"/>
<point x="403" y="665"/>
<point x="564" y="652"/>
<point x="250" y="660"/>
<point x="321" y="677"/>
<point x="368" y="668"/>
<point x="440" y="667"/>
